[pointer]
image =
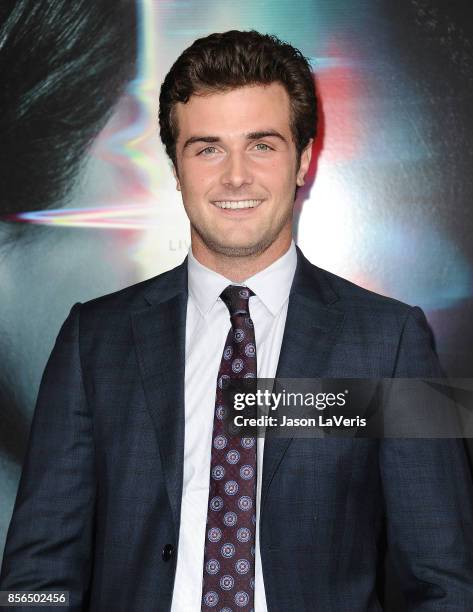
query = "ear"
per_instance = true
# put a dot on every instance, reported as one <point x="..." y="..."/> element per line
<point x="306" y="156"/>
<point x="176" y="176"/>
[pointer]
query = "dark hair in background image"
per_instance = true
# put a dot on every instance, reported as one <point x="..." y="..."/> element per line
<point x="225" y="61"/>
<point x="63" y="67"/>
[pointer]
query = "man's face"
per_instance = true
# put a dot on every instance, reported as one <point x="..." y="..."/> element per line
<point x="237" y="168"/>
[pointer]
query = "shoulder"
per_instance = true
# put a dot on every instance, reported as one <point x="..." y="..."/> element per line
<point x="379" y="310"/>
<point x="343" y="294"/>
<point x="107" y="319"/>
<point x="361" y="304"/>
<point x="356" y="295"/>
<point x="398" y="333"/>
<point x="139" y="295"/>
<point x="366" y="314"/>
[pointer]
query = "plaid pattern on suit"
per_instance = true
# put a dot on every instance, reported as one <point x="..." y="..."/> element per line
<point x="97" y="511"/>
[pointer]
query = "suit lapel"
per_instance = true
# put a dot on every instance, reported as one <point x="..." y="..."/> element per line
<point x="159" y="334"/>
<point x="313" y="324"/>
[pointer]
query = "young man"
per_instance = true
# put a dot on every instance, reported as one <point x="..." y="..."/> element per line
<point x="133" y="495"/>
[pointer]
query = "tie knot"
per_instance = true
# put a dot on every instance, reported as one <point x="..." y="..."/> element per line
<point x="236" y="299"/>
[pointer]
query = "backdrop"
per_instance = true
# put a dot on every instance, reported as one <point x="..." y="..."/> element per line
<point x="387" y="206"/>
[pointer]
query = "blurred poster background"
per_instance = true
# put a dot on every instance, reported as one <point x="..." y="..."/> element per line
<point x="388" y="205"/>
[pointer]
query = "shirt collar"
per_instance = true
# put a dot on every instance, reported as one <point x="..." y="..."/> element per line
<point x="272" y="285"/>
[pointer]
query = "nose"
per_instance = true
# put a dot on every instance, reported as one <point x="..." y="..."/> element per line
<point x="237" y="171"/>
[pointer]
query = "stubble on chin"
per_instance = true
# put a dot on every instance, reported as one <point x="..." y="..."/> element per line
<point x="232" y="251"/>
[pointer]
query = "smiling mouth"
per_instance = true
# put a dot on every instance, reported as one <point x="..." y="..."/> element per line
<point x="236" y="204"/>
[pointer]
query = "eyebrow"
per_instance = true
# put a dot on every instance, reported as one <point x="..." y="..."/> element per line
<point x="250" y="136"/>
<point x="207" y="139"/>
<point x="264" y="134"/>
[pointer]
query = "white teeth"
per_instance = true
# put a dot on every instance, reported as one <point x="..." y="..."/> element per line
<point x="237" y="204"/>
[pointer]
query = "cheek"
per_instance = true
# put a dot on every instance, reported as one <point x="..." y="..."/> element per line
<point x="278" y="179"/>
<point x="278" y="171"/>
<point x="196" y="180"/>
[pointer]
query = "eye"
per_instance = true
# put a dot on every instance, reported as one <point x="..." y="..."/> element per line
<point x="207" y="151"/>
<point x="261" y="146"/>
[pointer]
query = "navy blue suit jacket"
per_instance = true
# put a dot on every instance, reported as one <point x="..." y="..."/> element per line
<point x="98" y="506"/>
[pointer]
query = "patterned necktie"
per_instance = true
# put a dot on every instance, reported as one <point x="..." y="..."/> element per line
<point x="229" y="557"/>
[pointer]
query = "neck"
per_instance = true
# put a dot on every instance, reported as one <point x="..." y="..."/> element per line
<point x="238" y="269"/>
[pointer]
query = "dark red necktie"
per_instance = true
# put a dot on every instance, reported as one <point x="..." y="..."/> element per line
<point x="229" y="557"/>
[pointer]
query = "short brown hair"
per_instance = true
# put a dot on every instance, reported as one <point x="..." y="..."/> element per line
<point x="228" y="60"/>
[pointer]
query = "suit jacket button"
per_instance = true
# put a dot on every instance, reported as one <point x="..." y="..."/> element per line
<point x="168" y="552"/>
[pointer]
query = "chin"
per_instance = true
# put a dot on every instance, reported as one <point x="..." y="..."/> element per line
<point x="236" y="244"/>
<point x="238" y="249"/>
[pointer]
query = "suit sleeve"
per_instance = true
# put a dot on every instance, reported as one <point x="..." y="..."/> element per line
<point x="49" y="541"/>
<point x="427" y="488"/>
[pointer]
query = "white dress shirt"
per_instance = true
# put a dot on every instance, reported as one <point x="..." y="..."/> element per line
<point x="207" y="326"/>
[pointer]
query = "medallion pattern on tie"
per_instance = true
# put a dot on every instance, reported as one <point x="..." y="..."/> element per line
<point x="229" y="557"/>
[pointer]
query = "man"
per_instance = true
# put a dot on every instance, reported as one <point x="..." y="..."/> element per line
<point x="133" y="496"/>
